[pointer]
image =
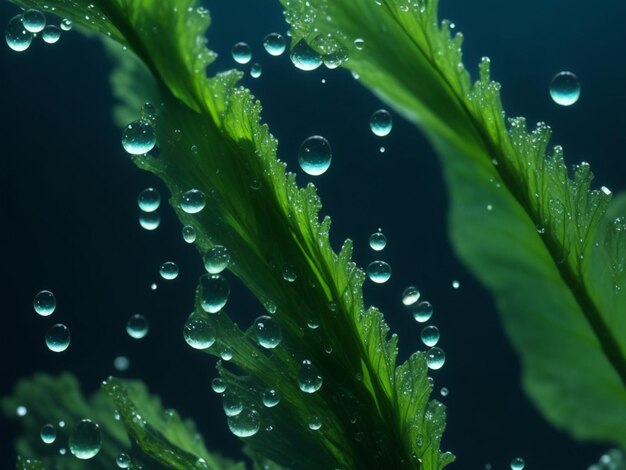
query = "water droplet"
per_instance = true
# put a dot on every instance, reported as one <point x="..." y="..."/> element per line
<point x="378" y="241"/>
<point x="304" y="57"/>
<point x="245" y="424"/>
<point x="218" y="385"/>
<point x="268" y="332"/>
<point x="123" y="460"/>
<point x="51" y="34"/>
<point x="16" y="36"/>
<point x="381" y="123"/>
<point x="435" y="358"/>
<point x="214" y="292"/>
<point x="309" y="379"/>
<point x="193" y="201"/>
<point x="189" y="234"/>
<point x="66" y="25"/>
<point x="58" y="338"/>
<point x="315" y="155"/>
<point x="85" y="440"/>
<point x="256" y="70"/>
<point x="44" y="303"/>
<point x="121" y="363"/>
<point x="216" y="259"/>
<point x="379" y="272"/>
<point x="153" y="286"/>
<point x="169" y="270"/>
<point x="48" y="433"/>
<point x="241" y="53"/>
<point x="232" y="404"/>
<point x="139" y="137"/>
<point x="456" y="284"/>
<point x="410" y="295"/>
<point x="444" y="392"/>
<point x="137" y="326"/>
<point x="430" y="335"/>
<point x="565" y="88"/>
<point x="149" y="200"/>
<point x="359" y="44"/>
<point x="271" y="397"/>
<point x="226" y="353"/>
<point x="274" y="44"/>
<point x="315" y="423"/>
<point x="34" y="21"/>
<point x="149" y="220"/>
<point x="289" y="274"/>
<point x="198" y="332"/>
<point x="422" y="311"/>
<point x="517" y="464"/>
<point x="21" y="411"/>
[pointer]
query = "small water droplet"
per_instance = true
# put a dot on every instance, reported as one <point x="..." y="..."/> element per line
<point x="422" y="311"/>
<point x="565" y="88"/>
<point x="456" y="284"/>
<point x="198" y="332"/>
<point x="137" y="326"/>
<point x="139" y="137"/>
<point x="214" y="292"/>
<point x="123" y="460"/>
<point x="34" y="21"/>
<point x="193" y="201"/>
<point x="256" y="70"/>
<point x="121" y="363"/>
<point x="315" y="423"/>
<point x="309" y="379"/>
<point x="359" y="44"/>
<point x="245" y="424"/>
<point x="517" y="464"/>
<point x="378" y="241"/>
<point x="289" y="274"/>
<point x="271" y="397"/>
<point x="241" y="53"/>
<point x="435" y="358"/>
<point x="274" y="44"/>
<point x="216" y="259"/>
<point x="379" y="272"/>
<point x="410" y="296"/>
<point x="85" y="440"/>
<point x="232" y="404"/>
<point x="149" y="220"/>
<point x="381" y="123"/>
<point x="268" y="332"/>
<point x="430" y="335"/>
<point x="149" y="200"/>
<point x="44" y="303"/>
<point x="315" y="155"/>
<point x="51" y="34"/>
<point x="66" y="25"/>
<point x="226" y="353"/>
<point x="444" y="392"/>
<point x="169" y="270"/>
<point x="16" y="36"/>
<point x="304" y="57"/>
<point x="58" y="338"/>
<point x="218" y="385"/>
<point x="189" y="234"/>
<point x="48" y="433"/>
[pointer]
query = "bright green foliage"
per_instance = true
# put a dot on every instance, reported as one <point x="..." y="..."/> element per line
<point x="538" y="238"/>
<point x="373" y="414"/>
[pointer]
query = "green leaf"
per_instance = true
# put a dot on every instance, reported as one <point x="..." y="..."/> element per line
<point x="539" y="239"/>
<point x="210" y="138"/>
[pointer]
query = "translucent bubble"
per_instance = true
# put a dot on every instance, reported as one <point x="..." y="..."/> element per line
<point x="218" y="385"/>
<point x="268" y="332"/>
<point x="21" y="411"/>
<point x="139" y="137"/>
<point x="48" y="433"/>
<point x="315" y="155"/>
<point x="274" y="44"/>
<point x="271" y="397"/>
<point x="422" y="311"/>
<point x="359" y="44"/>
<point x="456" y="284"/>
<point x="378" y="241"/>
<point x="137" y="326"/>
<point x="149" y="200"/>
<point x="430" y="335"/>
<point x="256" y="70"/>
<point x="565" y="88"/>
<point x="189" y="234"/>
<point x="51" y="34"/>
<point x="309" y="379"/>
<point x="34" y="21"/>
<point x="410" y="295"/>
<point x="123" y="460"/>
<point x="334" y="53"/>
<point x="315" y="423"/>
<point x="44" y="303"/>
<point x="517" y="464"/>
<point x="214" y="292"/>
<point x="379" y="272"/>
<point x="435" y="358"/>
<point x="169" y="270"/>
<point x="85" y="440"/>
<point x="381" y="123"/>
<point x="304" y="57"/>
<point x="216" y="259"/>
<point x="232" y="404"/>
<point x="444" y="392"/>
<point x="66" y="24"/>
<point x="289" y="274"/>
<point x="245" y="424"/>
<point x="16" y="36"/>
<point x="193" y="201"/>
<point x="149" y="220"/>
<point x="198" y="332"/>
<point x="58" y="338"/>
<point x="241" y="53"/>
<point x="121" y="363"/>
<point x="226" y="353"/>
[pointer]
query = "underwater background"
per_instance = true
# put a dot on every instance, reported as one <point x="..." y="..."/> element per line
<point x="69" y="216"/>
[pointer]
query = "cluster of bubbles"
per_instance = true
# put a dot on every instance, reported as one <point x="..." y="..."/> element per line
<point x="614" y="459"/>
<point x="23" y="28"/>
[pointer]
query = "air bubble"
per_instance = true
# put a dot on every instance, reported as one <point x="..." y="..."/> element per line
<point x="309" y="379"/>
<point x="304" y="57"/>
<point x="271" y="397"/>
<point x="241" y="52"/>
<point x="410" y="296"/>
<point x="51" y="34"/>
<point x="218" y="385"/>
<point x="149" y="220"/>
<point x="232" y="404"/>
<point x="123" y="460"/>
<point x="216" y="259"/>
<point x="315" y="155"/>
<point x="256" y="70"/>
<point x="381" y="123"/>
<point x="189" y="234"/>
<point x="565" y="88"/>
<point x="85" y="440"/>
<point x="34" y="21"/>
<point x="245" y="424"/>
<point x="137" y="326"/>
<point x="378" y="241"/>
<point x="48" y="433"/>
<point x="198" y="332"/>
<point x="193" y="201"/>
<point x="422" y="311"/>
<point x="274" y="44"/>
<point x="214" y="292"/>
<point x="379" y="272"/>
<point x="44" y="303"/>
<point x="58" y="338"/>
<point x="149" y="200"/>
<point x="435" y="358"/>
<point x="169" y="270"/>
<point x="268" y="333"/>
<point x="139" y="137"/>
<point x="517" y="464"/>
<point x="66" y="25"/>
<point x="16" y="36"/>
<point x="430" y="335"/>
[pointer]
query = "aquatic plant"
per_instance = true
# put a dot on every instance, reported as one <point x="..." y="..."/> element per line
<point x="251" y="208"/>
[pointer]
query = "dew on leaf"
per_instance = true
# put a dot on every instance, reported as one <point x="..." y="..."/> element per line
<point x="139" y="137"/>
<point x="218" y="385"/>
<point x="189" y="234"/>
<point x="271" y="397"/>
<point x="216" y="259"/>
<point x="214" y="292"/>
<point x="304" y="57"/>
<point x="169" y="270"/>
<point x="309" y="379"/>
<point x="198" y="332"/>
<point x="193" y="201"/>
<point x="245" y="424"/>
<point x="268" y="332"/>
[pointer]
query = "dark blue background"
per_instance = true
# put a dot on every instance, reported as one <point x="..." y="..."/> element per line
<point x="69" y="218"/>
